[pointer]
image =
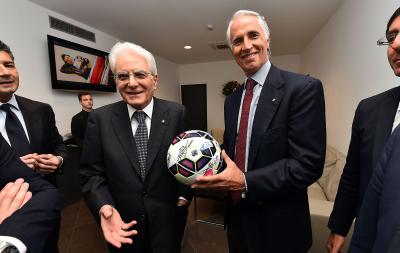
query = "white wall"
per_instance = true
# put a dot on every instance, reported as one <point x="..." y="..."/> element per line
<point x="216" y="74"/>
<point x="344" y="55"/>
<point x="25" y="28"/>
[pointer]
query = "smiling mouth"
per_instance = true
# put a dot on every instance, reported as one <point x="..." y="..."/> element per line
<point x="134" y="92"/>
<point x="6" y="81"/>
<point x="246" y="56"/>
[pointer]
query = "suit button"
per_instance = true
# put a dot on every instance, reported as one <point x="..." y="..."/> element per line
<point x="144" y="193"/>
<point x="142" y="217"/>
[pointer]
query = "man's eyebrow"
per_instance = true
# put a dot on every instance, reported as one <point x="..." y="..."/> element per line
<point x="393" y="30"/>
<point x="7" y="62"/>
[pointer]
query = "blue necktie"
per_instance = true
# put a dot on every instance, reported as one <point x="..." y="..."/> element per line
<point x="15" y="132"/>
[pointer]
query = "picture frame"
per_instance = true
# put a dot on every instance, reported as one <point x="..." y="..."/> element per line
<point x="77" y="67"/>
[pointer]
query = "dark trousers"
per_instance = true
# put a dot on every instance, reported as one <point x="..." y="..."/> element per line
<point x="236" y="233"/>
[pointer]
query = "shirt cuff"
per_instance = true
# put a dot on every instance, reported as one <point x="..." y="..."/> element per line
<point x="6" y="241"/>
<point x="245" y="186"/>
<point x="182" y="198"/>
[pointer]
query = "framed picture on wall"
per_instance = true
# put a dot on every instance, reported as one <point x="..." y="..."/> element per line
<point x="77" y="67"/>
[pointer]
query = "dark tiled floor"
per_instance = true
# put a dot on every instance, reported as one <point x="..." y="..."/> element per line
<point x="80" y="233"/>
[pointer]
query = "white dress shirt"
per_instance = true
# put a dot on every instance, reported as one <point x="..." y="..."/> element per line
<point x="260" y="76"/>
<point x="396" y="118"/>
<point x="148" y="110"/>
<point x="15" y="109"/>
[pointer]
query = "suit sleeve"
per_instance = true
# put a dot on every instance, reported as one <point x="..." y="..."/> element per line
<point x="57" y="145"/>
<point x="344" y="209"/>
<point x="302" y="163"/>
<point x="38" y="218"/>
<point x="365" y="232"/>
<point x="76" y="130"/>
<point x="93" y="178"/>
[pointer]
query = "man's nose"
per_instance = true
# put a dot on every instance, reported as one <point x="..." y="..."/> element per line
<point x="247" y="44"/>
<point x="3" y="70"/>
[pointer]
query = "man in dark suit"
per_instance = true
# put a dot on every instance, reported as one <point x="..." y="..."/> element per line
<point x="44" y="151"/>
<point x="30" y="219"/>
<point x="379" y="220"/>
<point x="374" y="119"/>
<point x="275" y="135"/>
<point x="79" y="121"/>
<point x="124" y="174"/>
<point x="29" y="126"/>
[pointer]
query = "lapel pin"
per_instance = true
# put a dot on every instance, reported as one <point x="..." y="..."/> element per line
<point x="162" y="121"/>
<point x="274" y="100"/>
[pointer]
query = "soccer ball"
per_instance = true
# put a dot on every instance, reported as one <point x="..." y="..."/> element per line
<point x="193" y="153"/>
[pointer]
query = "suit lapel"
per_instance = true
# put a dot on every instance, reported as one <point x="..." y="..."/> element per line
<point x="123" y="130"/>
<point x="232" y="119"/>
<point x="159" y="122"/>
<point x="268" y="103"/>
<point x="386" y="112"/>
<point x="34" y="127"/>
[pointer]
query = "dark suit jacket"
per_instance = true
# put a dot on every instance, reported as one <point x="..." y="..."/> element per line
<point x="43" y="133"/>
<point x="287" y="151"/>
<point x="35" y="222"/>
<point x="379" y="218"/>
<point x="78" y="127"/>
<point x="372" y="126"/>
<point x="110" y="173"/>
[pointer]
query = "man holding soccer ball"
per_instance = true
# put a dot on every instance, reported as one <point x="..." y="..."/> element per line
<point x="274" y="145"/>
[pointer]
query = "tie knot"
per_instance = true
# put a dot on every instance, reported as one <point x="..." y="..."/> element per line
<point x="140" y="116"/>
<point x="5" y="107"/>
<point x="250" y="83"/>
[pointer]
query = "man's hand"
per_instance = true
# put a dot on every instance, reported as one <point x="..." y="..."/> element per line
<point x="13" y="196"/>
<point x="231" y="179"/>
<point x="29" y="160"/>
<point x="47" y="163"/>
<point x="182" y="202"/>
<point x="335" y="243"/>
<point x="115" y="230"/>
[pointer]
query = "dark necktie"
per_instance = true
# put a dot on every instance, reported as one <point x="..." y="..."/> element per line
<point x="141" y="141"/>
<point x="240" y="153"/>
<point x="15" y="132"/>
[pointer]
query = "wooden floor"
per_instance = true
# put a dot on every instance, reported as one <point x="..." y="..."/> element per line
<point x="80" y="233"/>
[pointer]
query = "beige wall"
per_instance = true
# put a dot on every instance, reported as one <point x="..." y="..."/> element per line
<point x="216" y="74"/>
<point x="344" y="55"/>
<point x="26" y="32"/>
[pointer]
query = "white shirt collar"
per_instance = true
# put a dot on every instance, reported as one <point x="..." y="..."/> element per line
<point x="262" y="73"/>
<point x="12" y="101"/>
<point x="148" y="109"/>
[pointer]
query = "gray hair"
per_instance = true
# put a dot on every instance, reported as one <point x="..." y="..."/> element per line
<point x="261" y="21"/>
<point x="120" y="47"/>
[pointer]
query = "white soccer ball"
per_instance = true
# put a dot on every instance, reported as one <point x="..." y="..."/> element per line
<point x="193" y="153"/>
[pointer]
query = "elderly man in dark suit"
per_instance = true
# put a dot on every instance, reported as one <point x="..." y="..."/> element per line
<point x="28" y="126"/>
<point x="374" y="120"/>
<point x="125" y="178"/>
<point x="32" y="216"/>
<point x="275" y="136"/>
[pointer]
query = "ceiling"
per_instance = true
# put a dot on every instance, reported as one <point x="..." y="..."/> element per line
<point x="164" y="27"/>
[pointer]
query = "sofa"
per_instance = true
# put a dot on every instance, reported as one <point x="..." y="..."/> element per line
<point x="321" y="196"/>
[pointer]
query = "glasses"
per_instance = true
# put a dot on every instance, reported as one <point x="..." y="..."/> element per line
<point x="388" y="39"/>
<point x="139" y="76"/>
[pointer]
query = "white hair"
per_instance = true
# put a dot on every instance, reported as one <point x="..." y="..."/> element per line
<point x="261" y="21"/>
<point x="121" y="47"/>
